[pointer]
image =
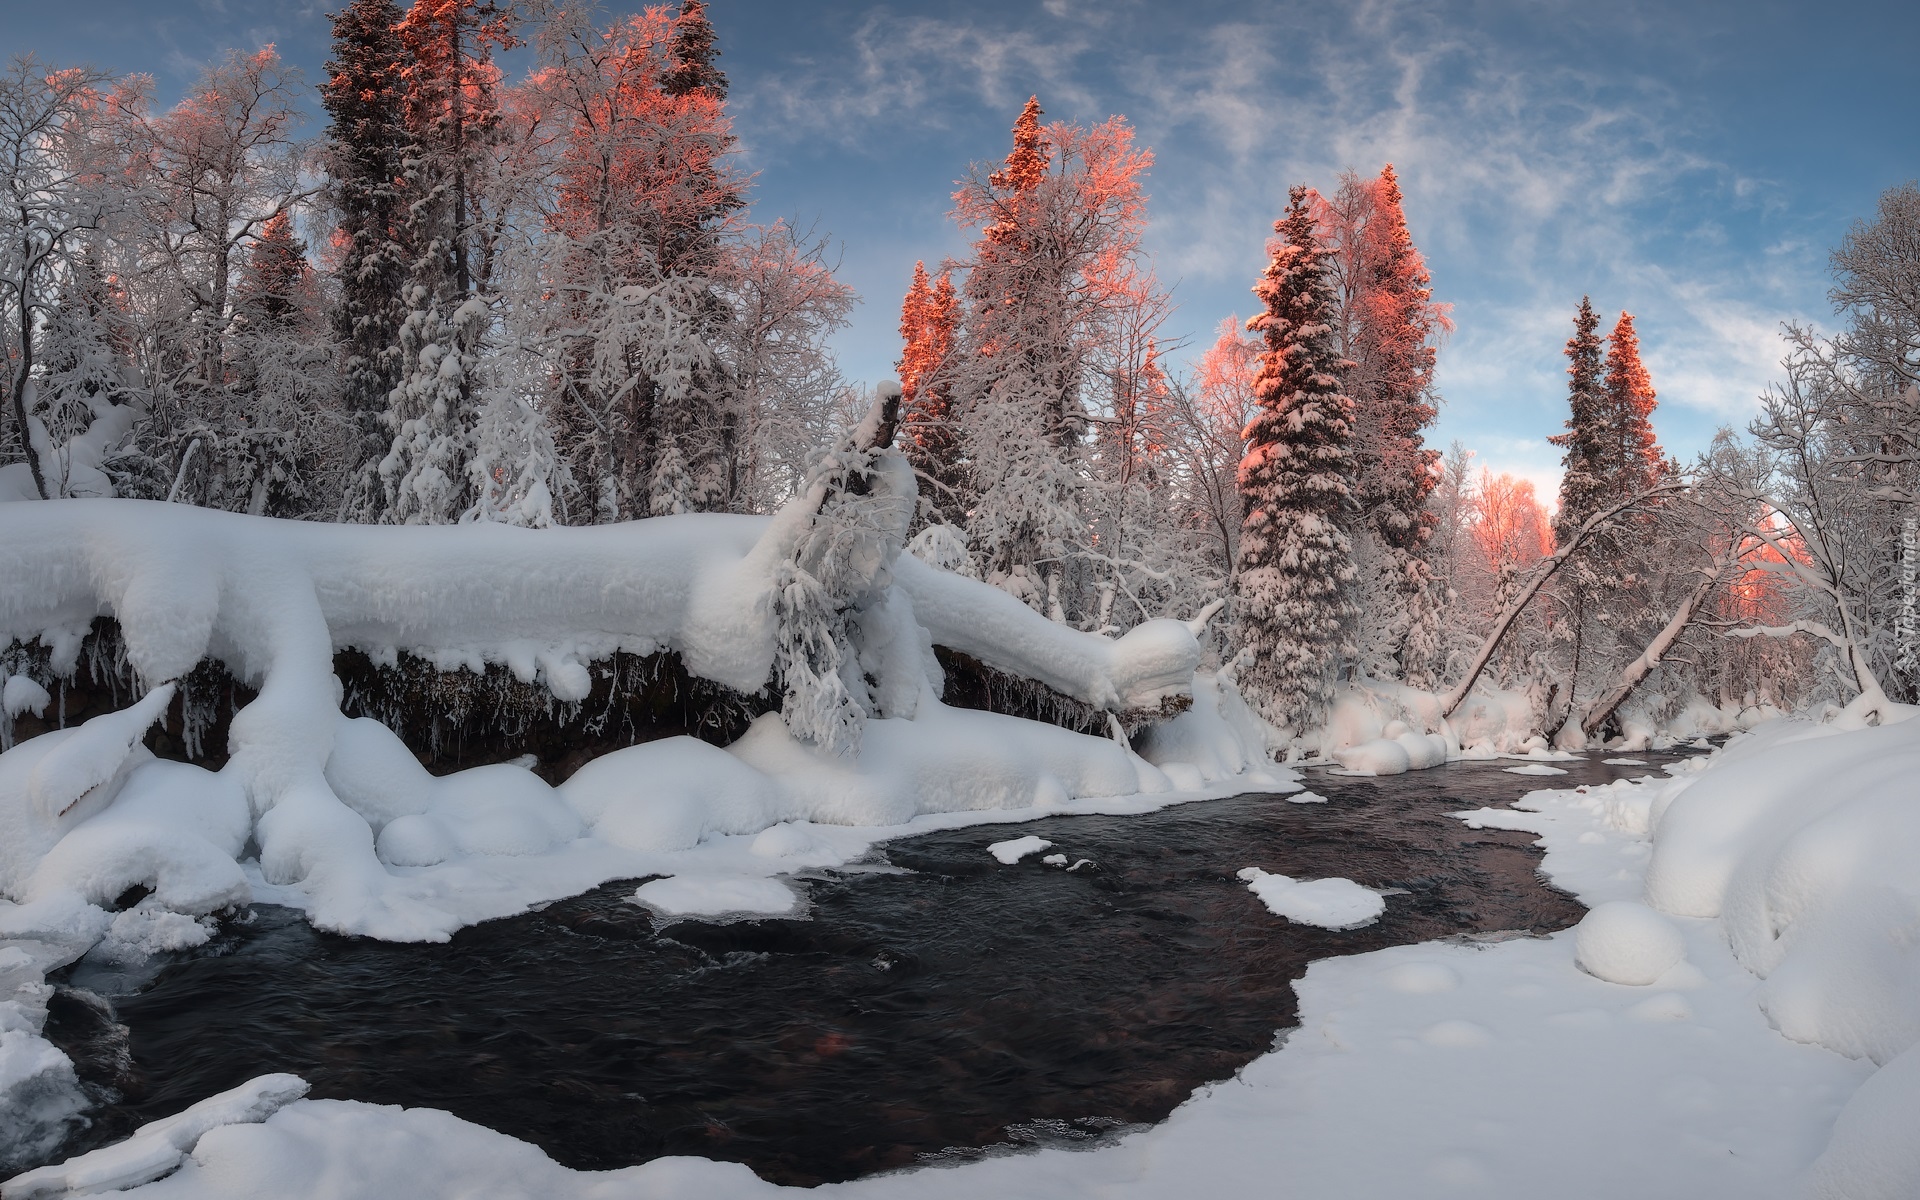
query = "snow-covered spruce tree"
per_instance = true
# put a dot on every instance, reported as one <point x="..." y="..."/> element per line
<point x="515" y="468"/>
<point x="1295" y="613"/>
<point x="86" y="363"/>
<point x="450" y="109"/>
<point x="928" y="319"/>
<point x="692" y="55"/>
<point x="1634" y="457"/>
<point x="1584" y="484"/>
<point x="367" y="145"/>
<point x="1387" y="326"/>
<point x="1058" y="257"/>
<point x="1610" y="605"/>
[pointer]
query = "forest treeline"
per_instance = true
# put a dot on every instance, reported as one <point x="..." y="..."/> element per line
<point x="545" y="301"/>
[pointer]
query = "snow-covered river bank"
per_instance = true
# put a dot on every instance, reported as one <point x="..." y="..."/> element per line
<point x="925" y="1009"/>
<point x="1750" y="1034"/>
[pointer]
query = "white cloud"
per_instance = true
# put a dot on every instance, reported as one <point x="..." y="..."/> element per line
<point x="1532" y="175"/>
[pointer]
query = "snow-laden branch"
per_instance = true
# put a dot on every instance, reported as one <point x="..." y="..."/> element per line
<point x="1544" y="571"/>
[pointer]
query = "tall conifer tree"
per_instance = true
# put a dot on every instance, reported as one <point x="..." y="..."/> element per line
<point x="1636" y="460"/>
<point x="367" y="148"/>
<point x="1583" y="477"/>
<point x="1398" y="323"/>
<point x="1295" y="569"/>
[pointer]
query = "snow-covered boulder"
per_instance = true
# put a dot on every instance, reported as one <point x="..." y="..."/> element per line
<point x="1625" y="942"/>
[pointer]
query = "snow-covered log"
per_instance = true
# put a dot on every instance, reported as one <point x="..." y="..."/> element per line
<point x="333" y="804"/>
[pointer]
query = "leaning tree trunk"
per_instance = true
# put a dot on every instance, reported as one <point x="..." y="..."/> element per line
<point x="1545" y="571"/>
<point x="1641" y="667"/>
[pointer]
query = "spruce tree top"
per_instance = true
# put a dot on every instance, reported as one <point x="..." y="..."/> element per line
<point x="1585" y="466"/>
<point x="1303" y="414"/>
<point x="694" y="50"/>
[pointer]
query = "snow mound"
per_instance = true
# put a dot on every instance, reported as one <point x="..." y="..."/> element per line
<point x="1534" y="769"/>
<point x="20" y="694"/>
<point x="1218" y="738"/>
<point x="1393" y="755"/>
<point x="1327" y="903"/>
<point x="1873" y="1154"/>
<point x="1625" y="942"/>
<point x="1015" y="849"/>
<point x="1802" y="839"/>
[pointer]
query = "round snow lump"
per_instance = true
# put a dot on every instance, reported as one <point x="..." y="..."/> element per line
<point x="1625" y="942"/>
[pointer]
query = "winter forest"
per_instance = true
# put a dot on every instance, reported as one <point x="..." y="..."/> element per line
<point x="426" y="519"/>
<point x="546" y="302"/>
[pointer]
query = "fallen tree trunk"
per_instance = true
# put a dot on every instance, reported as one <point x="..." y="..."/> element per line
<point x="1544" y="571"/>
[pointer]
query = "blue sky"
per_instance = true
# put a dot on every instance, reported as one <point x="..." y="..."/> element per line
<point x="1691" y="163"/>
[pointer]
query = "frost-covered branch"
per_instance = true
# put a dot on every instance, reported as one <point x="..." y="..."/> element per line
<point x="1541" y="573"/>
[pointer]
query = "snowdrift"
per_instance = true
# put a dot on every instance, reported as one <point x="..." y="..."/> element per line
<point x="1804" y="841"/>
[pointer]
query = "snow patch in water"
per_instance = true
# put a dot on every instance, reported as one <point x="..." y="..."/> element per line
<point x="1327" y="903"/>
<point x="1015" y="849"/>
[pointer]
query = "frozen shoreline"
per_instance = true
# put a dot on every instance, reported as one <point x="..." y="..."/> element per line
<point x="1500" y="1068"/>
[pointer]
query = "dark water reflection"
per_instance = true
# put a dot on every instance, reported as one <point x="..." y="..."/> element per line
<point x="962" y="1005"/>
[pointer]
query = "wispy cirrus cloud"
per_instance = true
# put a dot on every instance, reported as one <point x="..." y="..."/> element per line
<point x="1545" y="153"/>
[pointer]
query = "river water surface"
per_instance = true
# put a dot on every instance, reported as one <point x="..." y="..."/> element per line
<point x="931" y="1012"/>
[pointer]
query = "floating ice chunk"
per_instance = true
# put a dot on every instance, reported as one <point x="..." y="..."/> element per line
<point x="158" y="1148"/>
<point x="1625" y="762"/>
<point x="1626" y="942"/>
<point x="713" y="896"/>
<point x="1307" y="798"/>
<point x="1014" y="850"/>
<point x="148" y="929"/>
<point x="1055" y="860"/>
<point x="1327" y="903"/>
<point x="1534" y="769"/>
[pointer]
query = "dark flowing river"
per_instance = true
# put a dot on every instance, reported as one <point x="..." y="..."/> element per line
<point x="930" y="1013"/>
